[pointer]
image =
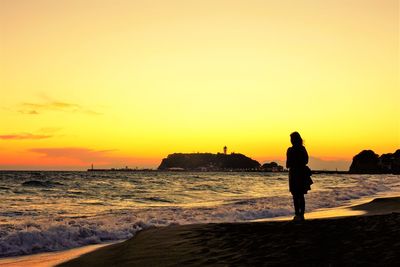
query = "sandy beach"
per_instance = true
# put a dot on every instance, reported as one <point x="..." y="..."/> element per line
<point x="355" y="240"/>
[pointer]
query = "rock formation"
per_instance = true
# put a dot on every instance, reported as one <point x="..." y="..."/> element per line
<point x="367" y="162"/>
<point x="208" y="162"/>
<point x="272" y="167"/>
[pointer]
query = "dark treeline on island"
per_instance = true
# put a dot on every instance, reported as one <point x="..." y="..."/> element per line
<point x="208" y="162"/>
<point x="368" y="162"/>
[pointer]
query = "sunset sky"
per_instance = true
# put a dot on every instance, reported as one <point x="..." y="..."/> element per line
<point x="125" y="82"/>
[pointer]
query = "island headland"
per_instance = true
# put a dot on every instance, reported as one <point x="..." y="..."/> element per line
<point x="208" y="162"/>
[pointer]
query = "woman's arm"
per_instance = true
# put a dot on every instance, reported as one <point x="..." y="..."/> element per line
<point x="305" y="156"/>
<point x="288" y="158"/>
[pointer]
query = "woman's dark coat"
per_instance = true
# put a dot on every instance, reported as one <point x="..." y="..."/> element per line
<point x="299" y="174"/>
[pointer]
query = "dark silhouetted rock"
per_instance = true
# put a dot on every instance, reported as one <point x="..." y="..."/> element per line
<point x="367" y="162"/>
<point x="35" y="183"/>
<point x="396" y="162"/>
<point x="208" y="162"/>
<point x="272" y="167"/>
<point x="390" y="162"/>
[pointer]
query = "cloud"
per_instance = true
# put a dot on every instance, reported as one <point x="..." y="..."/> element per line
<point x="49" y="130"/>
<point x="82" y="154"/>
<point x="29" y="112"/>
<point x="24" y="136"/>
<point x="72" y="152"/>
<point x="38" y="108"/>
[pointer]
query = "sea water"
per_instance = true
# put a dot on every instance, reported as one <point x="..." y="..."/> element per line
<point x="49" y="211"/>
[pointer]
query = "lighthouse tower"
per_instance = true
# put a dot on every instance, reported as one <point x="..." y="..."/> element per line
<point x="225" y="150"/>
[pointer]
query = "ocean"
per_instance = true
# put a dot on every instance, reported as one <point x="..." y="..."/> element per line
<point x="50" y="211"/>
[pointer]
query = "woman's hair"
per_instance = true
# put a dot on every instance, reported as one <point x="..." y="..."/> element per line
<point x="296" y="139"/>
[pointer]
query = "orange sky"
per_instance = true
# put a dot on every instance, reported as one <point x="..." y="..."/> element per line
<point x="119" y="83"/>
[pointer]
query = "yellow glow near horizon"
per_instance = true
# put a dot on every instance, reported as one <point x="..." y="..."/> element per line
<point x="142" y="79"/>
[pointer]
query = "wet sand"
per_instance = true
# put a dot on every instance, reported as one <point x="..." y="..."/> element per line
<point x="50" y="258"/>
<point x="355" y="240"/>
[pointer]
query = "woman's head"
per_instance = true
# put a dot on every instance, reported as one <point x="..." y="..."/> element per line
<point x="296" y="139"/>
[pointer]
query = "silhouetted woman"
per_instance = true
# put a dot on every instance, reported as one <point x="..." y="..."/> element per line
<point x="299" y="174"/>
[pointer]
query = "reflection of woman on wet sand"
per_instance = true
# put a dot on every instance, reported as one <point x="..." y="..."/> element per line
<point x="299" y="174"/>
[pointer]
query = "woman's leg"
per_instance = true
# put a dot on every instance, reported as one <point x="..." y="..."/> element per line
<point x="302" y="204"/>
<point x="296" y="204"/>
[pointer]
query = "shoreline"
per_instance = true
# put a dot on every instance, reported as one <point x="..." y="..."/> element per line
<point x="362" y="207"/>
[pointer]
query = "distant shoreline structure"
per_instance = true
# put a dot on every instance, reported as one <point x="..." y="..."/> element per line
<point x="121" y="170"/>
<point x="126" y="169"/>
